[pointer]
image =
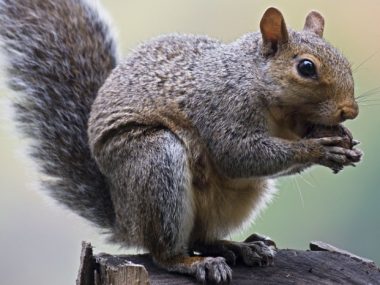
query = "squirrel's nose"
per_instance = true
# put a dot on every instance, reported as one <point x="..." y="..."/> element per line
<point x="349" y="112"/>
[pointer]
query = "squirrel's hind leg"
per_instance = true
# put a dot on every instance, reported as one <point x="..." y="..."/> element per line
<point x="152" y="195"/>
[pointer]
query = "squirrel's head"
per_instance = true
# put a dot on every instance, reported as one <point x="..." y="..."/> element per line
<point x="310" y="77"/>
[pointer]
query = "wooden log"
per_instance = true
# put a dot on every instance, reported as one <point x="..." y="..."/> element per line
<point x="323" y="264"/>
<point x="105" y="269"/>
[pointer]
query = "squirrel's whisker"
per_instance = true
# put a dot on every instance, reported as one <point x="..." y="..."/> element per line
<point x="356" y="68"/>
<point x="368" y="105"/>
<point x="367" y="99"/>
<point x="297" y="186"/>
<point x="305" y="180"/>
<point x="369" y="93"/>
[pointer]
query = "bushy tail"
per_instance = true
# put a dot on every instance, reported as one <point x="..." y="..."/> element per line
<point x="57" y="55"/>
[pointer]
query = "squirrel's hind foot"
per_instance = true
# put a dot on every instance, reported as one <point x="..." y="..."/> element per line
<point x="207" y="270"/>
<point x="213" y="270"/>
<point x="255" y="250"/>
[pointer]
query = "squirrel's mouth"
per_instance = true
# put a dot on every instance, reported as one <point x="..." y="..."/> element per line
<point x="309" y="129"/>
<point x="301" y="127"/>
<point x="293" y="125"/>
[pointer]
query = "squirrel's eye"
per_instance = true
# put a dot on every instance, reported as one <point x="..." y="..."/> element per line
<point x="306" y="68"/>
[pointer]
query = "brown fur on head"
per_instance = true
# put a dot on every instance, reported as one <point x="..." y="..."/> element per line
<point x="324" y="97"/>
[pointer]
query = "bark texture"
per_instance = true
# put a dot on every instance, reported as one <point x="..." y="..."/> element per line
<point x="322" y="264"/>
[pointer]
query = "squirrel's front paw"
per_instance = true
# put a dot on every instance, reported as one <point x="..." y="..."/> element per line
<point x="333" y="155"/>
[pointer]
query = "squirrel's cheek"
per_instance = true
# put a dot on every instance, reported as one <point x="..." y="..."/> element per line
<point x="321" y="113"/>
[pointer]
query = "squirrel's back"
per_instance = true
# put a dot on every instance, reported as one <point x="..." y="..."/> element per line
<point x="57" y="55"/>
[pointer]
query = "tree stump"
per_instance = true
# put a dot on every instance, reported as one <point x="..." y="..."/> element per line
<point x="322" y="264"/>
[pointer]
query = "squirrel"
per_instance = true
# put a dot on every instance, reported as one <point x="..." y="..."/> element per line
<point x="177" y="145"/>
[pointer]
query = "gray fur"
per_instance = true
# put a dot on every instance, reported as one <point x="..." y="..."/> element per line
<point x="150" y="189"/>
<point x="58" y="54"/>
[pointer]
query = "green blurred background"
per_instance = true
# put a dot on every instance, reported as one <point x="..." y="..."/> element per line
<point x="40" y="242"/>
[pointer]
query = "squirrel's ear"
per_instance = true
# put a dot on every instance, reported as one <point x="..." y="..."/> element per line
<point x="273" y="30"/>
<point x="315" y="23"/>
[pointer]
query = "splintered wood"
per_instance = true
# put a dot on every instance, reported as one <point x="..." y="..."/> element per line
<point x="105" y="269"/>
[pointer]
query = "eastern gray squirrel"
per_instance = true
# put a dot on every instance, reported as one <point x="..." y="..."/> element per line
<point x="175" y="146"/>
